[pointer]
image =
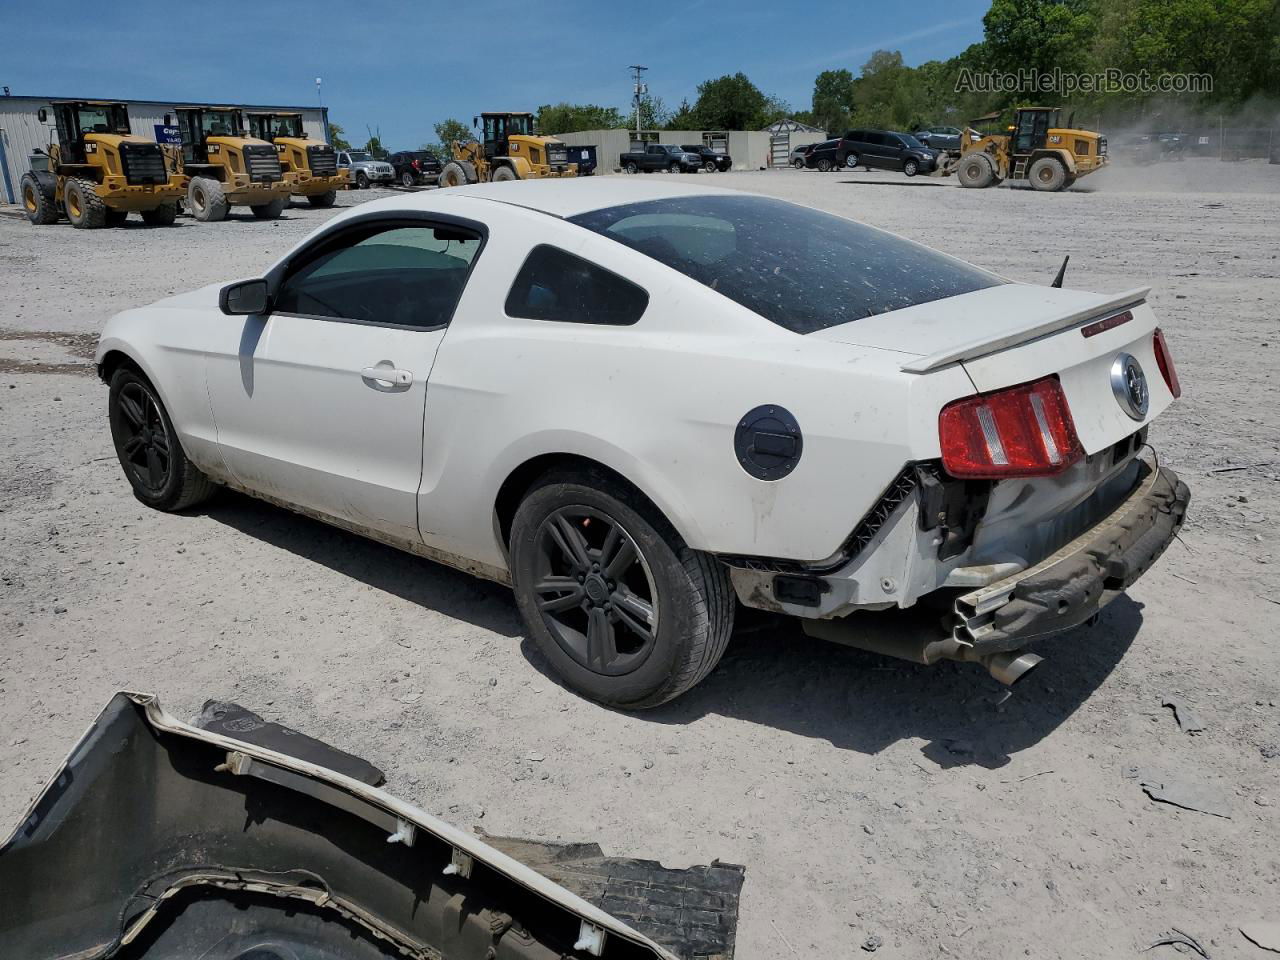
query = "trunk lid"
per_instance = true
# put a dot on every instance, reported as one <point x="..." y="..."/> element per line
<point x="1016" y="333"/>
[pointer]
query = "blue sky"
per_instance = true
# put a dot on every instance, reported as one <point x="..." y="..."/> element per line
<point x="402" y="67"/>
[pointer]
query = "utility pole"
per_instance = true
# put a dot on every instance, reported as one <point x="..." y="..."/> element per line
<point x="640" y="90"/>
<point x="319" y="98"/>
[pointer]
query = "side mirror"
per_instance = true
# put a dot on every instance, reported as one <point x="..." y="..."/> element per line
<point x="43" y="114"/>
<point x="244" y="299"/>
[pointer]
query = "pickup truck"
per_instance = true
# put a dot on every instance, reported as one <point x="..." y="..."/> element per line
<point x="660" y="156"/>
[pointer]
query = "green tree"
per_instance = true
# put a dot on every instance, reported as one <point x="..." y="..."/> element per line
<point x="733" y="102"/>
<point x="1043" y="34"/>
<point x="375" y="147"/>
<point x="337" y="138"/>
<point x="833" y="100"/>
<point x="447" y="131"/>
<point x="571" y="117"/>
<point x="684" y="118"/>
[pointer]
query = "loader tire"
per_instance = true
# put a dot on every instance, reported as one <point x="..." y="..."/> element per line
<point x="1048" y="174"/>
<point x="84" y="207"/>
<point x="323" y="200"/>
<point x="116" y="218"/>
<point x="271" y="210"/>
<point x="454" y="174"/>
<point x="206" y="200"/>
<point x="975" y="171"/>
<point x="162" y="216"/>
<point x="38" y="200"/>
<point x="502" y="174"/>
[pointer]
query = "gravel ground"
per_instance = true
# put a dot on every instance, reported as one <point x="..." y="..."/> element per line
<point x="868" y="798"/>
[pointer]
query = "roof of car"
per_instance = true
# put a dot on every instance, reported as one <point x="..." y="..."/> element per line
<point x="571" y="196"/>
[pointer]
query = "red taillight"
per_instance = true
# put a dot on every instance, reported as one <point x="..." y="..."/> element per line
<point x="1164" y="360"/>
<point x="1023" y="431"/>
<point x="416" y="166"/>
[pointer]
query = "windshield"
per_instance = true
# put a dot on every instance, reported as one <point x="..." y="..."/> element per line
<point x="911" y="141"/>
<point x="359" y="155"/>
<point x="288" y="126"/>
<point x="105" y="118"/>
<point x="802" y="269"/>
<point x="221" y="123"/>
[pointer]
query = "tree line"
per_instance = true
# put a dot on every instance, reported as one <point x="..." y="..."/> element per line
<point x="1234" y="43"/>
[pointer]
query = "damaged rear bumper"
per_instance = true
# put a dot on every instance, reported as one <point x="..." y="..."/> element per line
<point x="1074" y="583"/>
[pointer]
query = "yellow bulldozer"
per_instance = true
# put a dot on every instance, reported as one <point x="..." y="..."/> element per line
<point x="510" y="151"/>
<point x="98" y="171"/>
<point x="1036" y="147"/>
<point x="228" y="168"/>
<point x="313" y="163"/>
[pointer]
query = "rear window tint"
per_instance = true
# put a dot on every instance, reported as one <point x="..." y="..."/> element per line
<point x="555" y="285"/>
<point x="803" y="269"/>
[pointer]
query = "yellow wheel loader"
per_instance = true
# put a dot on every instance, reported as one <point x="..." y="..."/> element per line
<point x="510" y="151"/>
<point x="313" y="163"/>
<point x="97" y="171"/>
<point x="1035" y="148"/>
<point x="229" y="169"/>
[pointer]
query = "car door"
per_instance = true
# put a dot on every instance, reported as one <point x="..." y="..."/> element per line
<point x="320" y="402"/>
<point x="877" y="148"/>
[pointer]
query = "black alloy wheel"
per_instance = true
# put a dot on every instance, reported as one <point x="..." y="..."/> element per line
<point x="596" y="594"/>
<point x="143" y="439"/>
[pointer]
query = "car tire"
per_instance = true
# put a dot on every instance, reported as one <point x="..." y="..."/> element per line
<point x="824" y="165"/>
<point x="362" y="180"/>
<point x="673" y="168"/>
<point x="148" y="448"/>
<point x="686" y="592"/>
<point x="1048" y="174"/>
<point x="851" y="161"/>
<point x="407" y="180"/>
<point x="710" y="167"/>
<point x="82" y="205"/>
<point x="270" y="210"/>
<point x="503" y="174"/>
<point x="162" y="216"/>
<point x="798" y="163"/>
<point x="206" y="200"/>
<point x="323" y="200"/>
<point x="911" y="168"/>
<point x="975" y="171"/>
<point x="39" y="202"/>
<point x="632" y="168"/>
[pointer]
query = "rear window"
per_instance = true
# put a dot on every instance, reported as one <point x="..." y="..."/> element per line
<point x="800" y="268"/>
<point x="555" y="285"/>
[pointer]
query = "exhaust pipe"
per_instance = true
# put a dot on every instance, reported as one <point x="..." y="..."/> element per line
<point x="1011" y="666"/>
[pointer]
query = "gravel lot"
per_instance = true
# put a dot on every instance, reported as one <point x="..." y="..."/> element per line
<point x="867" y="797"/>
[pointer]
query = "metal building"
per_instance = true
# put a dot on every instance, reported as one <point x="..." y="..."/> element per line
<point x="21" y="130"/>
<point x="750" y="149"/>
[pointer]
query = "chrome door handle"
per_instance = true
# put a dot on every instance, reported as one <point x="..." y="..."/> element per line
<point x="391" y="375"/>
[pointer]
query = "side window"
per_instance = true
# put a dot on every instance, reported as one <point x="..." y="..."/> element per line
<point x="875" y="139"/>
<point x="555" y="285"/>
<point x="393" y="274"/>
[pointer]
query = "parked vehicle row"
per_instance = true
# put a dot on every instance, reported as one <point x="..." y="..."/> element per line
<point x="880" y="149"/>
<point x="667" y="158"/>
<point x="98" y="171"/>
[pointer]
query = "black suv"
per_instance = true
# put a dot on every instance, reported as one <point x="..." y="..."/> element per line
<point x="414" y="167"/>
<point x="885" y="149"/>
<point x="711" y="161"/>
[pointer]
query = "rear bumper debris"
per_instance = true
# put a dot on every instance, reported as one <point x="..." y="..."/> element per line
<point x="1070" y="586"/>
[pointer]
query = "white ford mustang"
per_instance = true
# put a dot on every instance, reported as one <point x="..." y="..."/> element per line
<point x="638" y="403"/>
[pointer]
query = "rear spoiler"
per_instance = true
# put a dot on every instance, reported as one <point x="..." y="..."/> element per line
<point x="981" y="348"/>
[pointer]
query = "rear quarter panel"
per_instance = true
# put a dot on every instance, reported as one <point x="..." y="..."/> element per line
<point x="659" y="402"/>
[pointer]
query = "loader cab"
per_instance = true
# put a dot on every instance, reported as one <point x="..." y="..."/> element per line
<point x="498" y="128"/>
<point x="1031" y="128"/>
<point x="78" y="119"/>
<point x="199" y="124"/>
<point x="270" y="126"/>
